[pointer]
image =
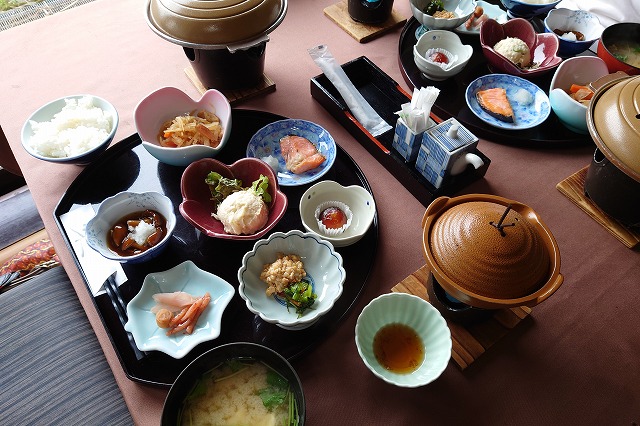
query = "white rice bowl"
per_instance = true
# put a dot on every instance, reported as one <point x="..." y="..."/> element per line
<point x="79" y="127"/>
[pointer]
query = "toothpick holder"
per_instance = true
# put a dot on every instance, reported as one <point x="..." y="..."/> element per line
<point x="406" y="142"/>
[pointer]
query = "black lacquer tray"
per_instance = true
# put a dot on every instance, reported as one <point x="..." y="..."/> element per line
<point x="128" y="166"/>
<point x="452" y="103"/>
<point x="386" y="97"/>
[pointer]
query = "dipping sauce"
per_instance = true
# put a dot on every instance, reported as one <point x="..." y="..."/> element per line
<point x="398" y="348"/>
<point x="136" y="232"/>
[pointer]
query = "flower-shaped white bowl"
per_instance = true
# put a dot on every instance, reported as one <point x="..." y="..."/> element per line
<point x="416" y="313"/>
<point x="446" y="40"/>
<point x="169" y="102"/>
<point x="580" y="70"/>
<point x="185" y="277"/>
<point x="573" y="20"/>
<point x="321" y="262"/>
<point x="359" y="200"/>
<point x="266" y="142"/>
<point x="462" y="8"/>
<point x="114" y="208"/>
<point x="48" y="113"/>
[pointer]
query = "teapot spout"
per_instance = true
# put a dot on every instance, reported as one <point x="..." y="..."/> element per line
<point x="461" y="164"/>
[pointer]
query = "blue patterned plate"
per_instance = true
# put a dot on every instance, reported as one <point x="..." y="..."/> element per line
<point x="530" y="104"/>
<point x="266" y="142"/>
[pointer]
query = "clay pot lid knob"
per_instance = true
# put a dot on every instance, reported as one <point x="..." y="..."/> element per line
<point x="500" y="226"/>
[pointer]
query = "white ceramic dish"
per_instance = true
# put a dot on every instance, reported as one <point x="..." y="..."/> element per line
<point x="416" y="313"/>
<point x="266" y="142"/>
<point x="185" y="277"/>
<point x="580" y="70"/>
<point x="526" y="115"/>
<point x="359" y="200"/>
<point x="47" y="112"/>
<point x="169" y="102"/>
<point x="438" y="40"/>
<point x="462" y="8"/>
<point x="321" y="262"/>
<point x="576" y="20"/>
<point x="118" y="206"/>
<point x="491" y="10"/>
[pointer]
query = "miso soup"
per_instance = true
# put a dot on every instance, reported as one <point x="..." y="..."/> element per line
<point x="627" y="52"/>
<point x="240" y="392"/>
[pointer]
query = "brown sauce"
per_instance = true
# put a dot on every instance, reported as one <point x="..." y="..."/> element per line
<point x="119" y="239"/>
<point x="398" y="348"/>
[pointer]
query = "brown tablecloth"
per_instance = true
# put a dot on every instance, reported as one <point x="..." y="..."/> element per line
<point x="574" y="362"/>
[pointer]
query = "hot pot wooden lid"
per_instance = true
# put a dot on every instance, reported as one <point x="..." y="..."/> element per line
<point x="613" y="120"/>
<point x="214" y="23"/>
<point x="490" y="250"/>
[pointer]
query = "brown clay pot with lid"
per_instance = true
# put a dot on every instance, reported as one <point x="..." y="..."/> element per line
<point x="490" y="252"/>
<point x="613" y="120"/>
<point x="225" y="40"/>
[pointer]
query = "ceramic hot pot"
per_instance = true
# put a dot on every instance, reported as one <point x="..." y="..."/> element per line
<point x="613" y="121"/>
<point x="490" y="252"/>
<point x="225" y="40"/>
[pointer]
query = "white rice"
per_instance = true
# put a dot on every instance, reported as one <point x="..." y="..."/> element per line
<point x="79" y="127"/>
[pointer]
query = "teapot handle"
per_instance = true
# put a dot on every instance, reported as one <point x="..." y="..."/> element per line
<point x="469" y="158"/>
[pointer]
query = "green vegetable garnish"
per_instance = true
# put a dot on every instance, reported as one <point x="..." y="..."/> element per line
<point x="221" y="187"/>
<point x="433" y="7"/>
<point x="299" y="295"/>
<point x="261" y="187"/>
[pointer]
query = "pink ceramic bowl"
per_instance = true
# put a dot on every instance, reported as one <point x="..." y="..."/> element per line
<point x="196" y="206"/>
<point x="543" y="47"/>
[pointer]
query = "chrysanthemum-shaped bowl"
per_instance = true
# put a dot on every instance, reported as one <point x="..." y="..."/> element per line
<point x="185" y="277"/>
<point x="543" y="47"/>
<point x="114" y="208"/>
<point x="421" y="316"/>
<point x="321" y="262"/>
<point x="462" y="9"/>
<point x="166" y="104"/>
<point x="359" y="200"/>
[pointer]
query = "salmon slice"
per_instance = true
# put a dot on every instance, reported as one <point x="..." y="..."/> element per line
<point x="299" y="154"/>
<point x="495" y="102"/>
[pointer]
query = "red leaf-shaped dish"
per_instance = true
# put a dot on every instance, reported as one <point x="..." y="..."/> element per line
<point x="543" y="47"/>
<point x="196" y="206"/>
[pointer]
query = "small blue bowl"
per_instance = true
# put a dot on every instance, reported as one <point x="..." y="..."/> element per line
<point x="573" y="20"/>
<point x="114" y="208"/>
<point x="266" y="143"/>
<point x="523" y="9"/>
<point x="47" y="112"/>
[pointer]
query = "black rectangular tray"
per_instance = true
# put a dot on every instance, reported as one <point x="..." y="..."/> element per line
<point x="127" y="166"/>
<point x="386" y="97"/>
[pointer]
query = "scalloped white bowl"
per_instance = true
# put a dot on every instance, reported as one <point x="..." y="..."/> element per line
<point x="462" y="8"/>
<point x="441" y="39"/>
<point x="321" y="262"/>
<point x="185" y="277"/>
<point x="116" y="207"/>
<point x="359" y="200"/>
<point x="167" y="103"/>
<point x="416" y="313"/>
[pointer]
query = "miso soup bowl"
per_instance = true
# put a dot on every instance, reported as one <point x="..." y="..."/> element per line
<point x="188" y="378"/>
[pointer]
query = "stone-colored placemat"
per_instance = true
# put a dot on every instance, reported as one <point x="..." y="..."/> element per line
<point x="573" y="188"/>
<point x="235" y="96"/>
<point x="363" y="33"/>
<point x="470" y="341"/>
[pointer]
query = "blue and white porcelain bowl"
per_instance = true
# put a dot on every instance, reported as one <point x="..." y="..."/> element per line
<point x="423" y="318"/>
<point x="322" y="264"/>
<point x="114" y="208"/>
<point x="566" y="20"/>
<point x="530" y="104"/>
<point x="265" y="145"/>
<point x="528" y="9"/>
<point x="185" y="277"/>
